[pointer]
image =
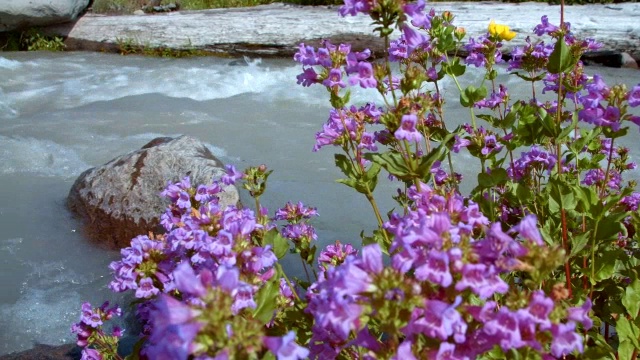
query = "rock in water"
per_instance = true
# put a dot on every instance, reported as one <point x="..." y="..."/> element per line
<point x="15" y="14"/>
<point x="121" y="199"/>
<point x="46" y="352"/>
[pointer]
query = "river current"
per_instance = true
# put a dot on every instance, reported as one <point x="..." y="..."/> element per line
<point x="62" y="113"/>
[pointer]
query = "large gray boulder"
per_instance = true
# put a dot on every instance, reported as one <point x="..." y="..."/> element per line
<point x="121" y="199"/>
<point x="16" y="14"/>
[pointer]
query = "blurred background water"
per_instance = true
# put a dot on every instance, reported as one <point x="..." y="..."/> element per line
<point x="62" y="113"/>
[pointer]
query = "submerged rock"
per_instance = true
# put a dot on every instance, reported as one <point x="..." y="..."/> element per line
<point x="121" y="199"/>
<point x="21" y="14"/>
<point x="46" y="352"/>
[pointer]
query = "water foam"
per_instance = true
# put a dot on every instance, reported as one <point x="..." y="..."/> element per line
<point x="39" y="157"/>
<point x="9" y="64"/>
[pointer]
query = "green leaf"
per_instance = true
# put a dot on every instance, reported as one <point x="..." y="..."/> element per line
<point x="608" y="132"/>
<point x="631" y="298"/>
<point x="349" y="182"/>
<point x="279" y="244"/>
<point x="625" y="350"/>
<point x="610" y="227"/>
<point x="376" y="238"/>
<point x="393" y="162"/>
<point x="345" y="165"/>
<point x="438" y="153"/>
<point x="599" y="350"/>
<point x="369" y="181"/>
<point x="560" y="59"/>
<point x="480" y="93"/>
<point x="527" y="78"/>
<point x="269" y="356"/>
<point x="339" y="102"/>
<point x="579" y="242"/>
<point x="454" y="68"/>
<point x="364" y="183"/>
<point x="561" y="196"/>
<point x="266" y="300"/>
<point x="497" y="177"/>
<point x="464" y="100"/>
<point x="627" y="331"/>
<point x="605" y="267"/>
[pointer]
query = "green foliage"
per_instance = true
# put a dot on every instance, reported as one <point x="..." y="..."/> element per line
<point x="133" y="47"/>
<point x="30" y="40"/>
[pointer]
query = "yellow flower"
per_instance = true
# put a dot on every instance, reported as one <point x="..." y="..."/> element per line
<point x="501" y="31"/>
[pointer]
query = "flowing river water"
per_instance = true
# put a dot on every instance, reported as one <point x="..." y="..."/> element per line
<point x="62" y="113"/>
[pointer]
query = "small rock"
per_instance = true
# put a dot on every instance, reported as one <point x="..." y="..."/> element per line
<point x="138" y="12"/>
<point x="628" y="61"/>
<point x="121" y="199"/>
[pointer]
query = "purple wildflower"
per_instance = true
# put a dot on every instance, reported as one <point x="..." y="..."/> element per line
<point x="633" y="97"/>
<point x="146" y="289"/>
<point x="404" y="351"/>
<point x="294" y="213"/>
<point x="334" y="255"/>
<point x="407" y="130"/>
<point x="353" y="7"/>
<point x="419" y="18"/>
<point x="565" y="339"/>
<point x="504" y="326"/>
<point x="581" y="314"/>
<point x="372" y="259"/>
<point x="414" y="39"/>
<point x="437" y="320"/>
<point x="90" y="354"/>
<point x="631" y="202"/>
<point x="435" y="268"/>
<point x="306" y="55"/>
<point x="398" y="49"/>
<point x="544" y="27"/>
<point x="483" y="280"/>
<point x="528" y="229"/>
<point x="364" y="77"/>
<point x="285" y="347"/>
<point x="334" y="79"/>
<point x="367" y="141"/>
<point x="231" y="175"/>
<point x="308" y="77"/>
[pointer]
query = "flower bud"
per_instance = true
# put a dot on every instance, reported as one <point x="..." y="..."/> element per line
<point x="447" y="16"/>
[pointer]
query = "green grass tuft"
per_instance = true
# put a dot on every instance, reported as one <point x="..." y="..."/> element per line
<point x="30" y="40"/>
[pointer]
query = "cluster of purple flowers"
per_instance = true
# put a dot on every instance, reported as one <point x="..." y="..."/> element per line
<point x="91" y="337"/>
<point x="531" y="57"/>
<point x="438" y="263"/>
<point x="535" y="160"/>
<point x="602" y="105"/>
<point x="335" y="62"/>
<point x="348" y="125"/>
<point x="207" y="261"/>
<point x="481" y="141"/>
<point x="483" y="51"/>
<point x="297" y="229"/>
<point x="495" y="99"/>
